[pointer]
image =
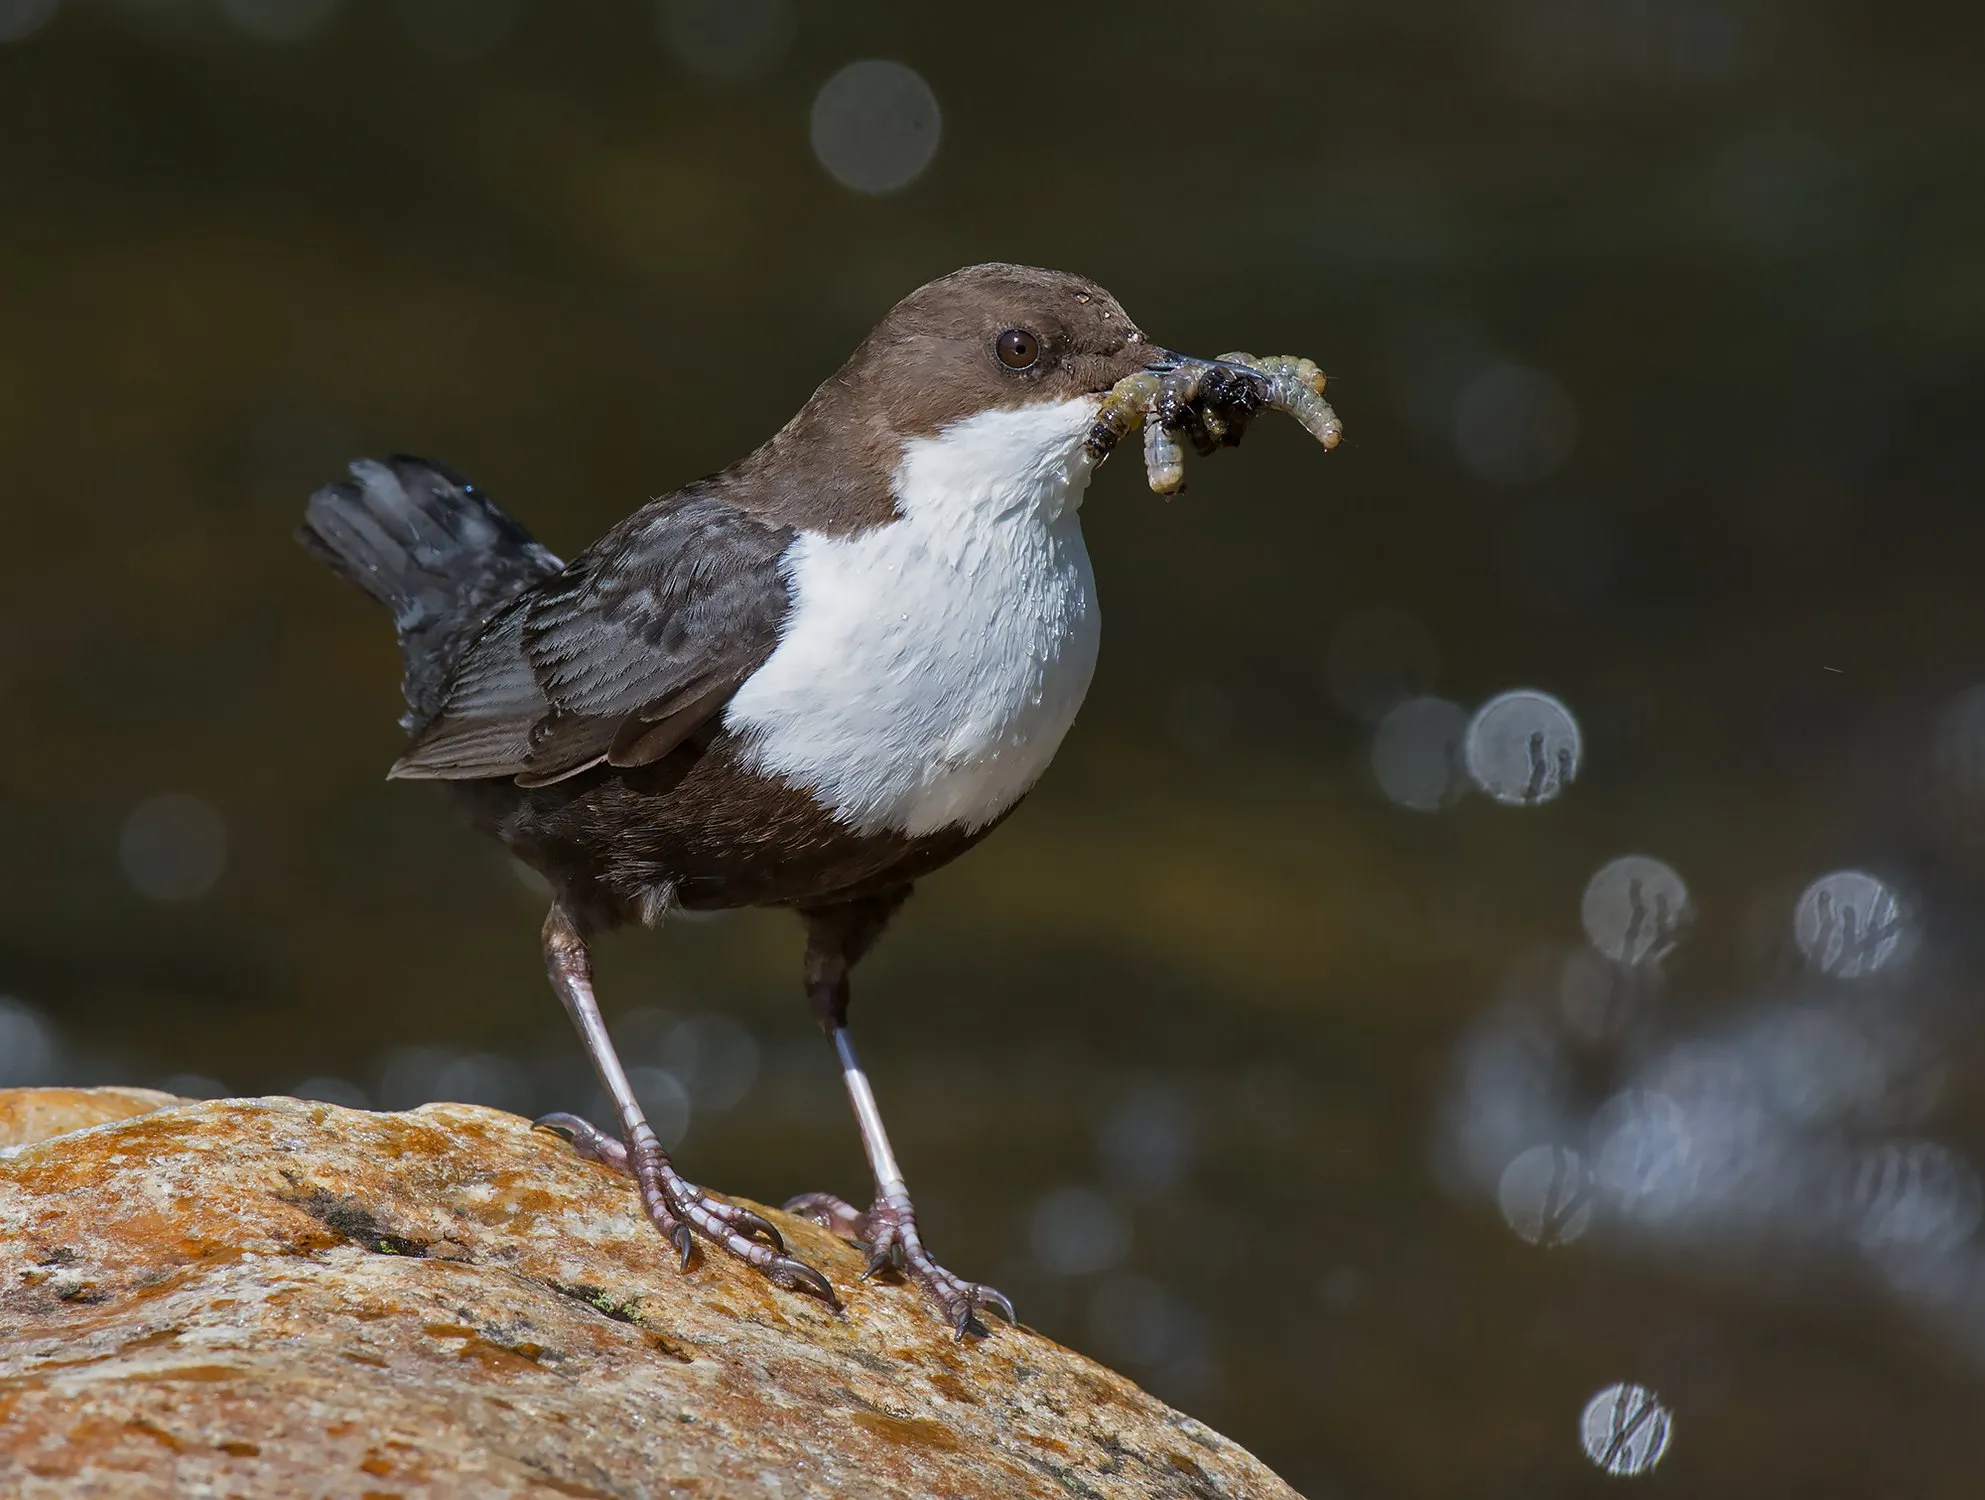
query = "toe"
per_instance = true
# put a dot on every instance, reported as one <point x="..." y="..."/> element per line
<point x="756" y="1226"/>
<point x="587" y="1139"/>
<point x="831" y="1213"/>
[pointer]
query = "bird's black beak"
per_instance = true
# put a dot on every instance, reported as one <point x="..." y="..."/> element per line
<point x="1167" y="362"/>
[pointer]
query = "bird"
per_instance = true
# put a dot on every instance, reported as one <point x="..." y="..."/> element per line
<point x="806" y="681"/>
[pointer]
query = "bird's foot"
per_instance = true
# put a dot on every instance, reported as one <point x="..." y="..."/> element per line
<point x="888" y="1233"/>
<point x="681" y="1210"/>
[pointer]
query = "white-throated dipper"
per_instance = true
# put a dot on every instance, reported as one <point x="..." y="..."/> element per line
<point x="805" y="681"/>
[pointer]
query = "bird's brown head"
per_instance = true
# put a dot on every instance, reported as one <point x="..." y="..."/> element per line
<point x="980" y="342"/>
<point x="991" y="337"/>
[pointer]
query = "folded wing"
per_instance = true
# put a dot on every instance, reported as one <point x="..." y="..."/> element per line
<point x="619" y="656"/>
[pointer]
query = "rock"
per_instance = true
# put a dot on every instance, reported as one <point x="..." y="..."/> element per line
<point x="264" y="1297"/>
<point x="29" y="1115"/>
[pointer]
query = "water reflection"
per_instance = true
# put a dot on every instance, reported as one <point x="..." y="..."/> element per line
<point x="1523" y="747"/>
<point x="1546" y="1195"/>
<point x="1769" y="1125"/>
<point x="1625" y="1429"/>
<point x="1602" y="1001"/>
<point x="1913" y="1194"/>
<point x="1849" y="924"/>
<point x="1645" y="1159"/>
<point x="1634" y="910"/>
<point x="1959" y="741"/>
<point x="1514" y="1092"/>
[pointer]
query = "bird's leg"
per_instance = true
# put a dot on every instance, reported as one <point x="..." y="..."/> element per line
<point x="838" y="936"/>
<point x="676" y="1206"/>
<point x="888" y="1231"/>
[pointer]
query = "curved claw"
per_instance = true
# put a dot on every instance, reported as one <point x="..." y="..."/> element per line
<point x="757" y="1227"/>
<point x="888" y="1256"/>
<point x="560" y="1124"/>
<point x="975" y="1299"/>
<point x="801" y="1277"/>
<point x="685" y="1243"/>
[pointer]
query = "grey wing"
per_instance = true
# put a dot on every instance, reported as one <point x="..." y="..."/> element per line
<point x="619" y="656"/>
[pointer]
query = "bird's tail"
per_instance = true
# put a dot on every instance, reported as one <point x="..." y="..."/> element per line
<point x="432" y="548"/>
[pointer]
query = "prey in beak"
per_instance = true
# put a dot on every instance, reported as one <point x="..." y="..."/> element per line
<point x="1209" y="403"/>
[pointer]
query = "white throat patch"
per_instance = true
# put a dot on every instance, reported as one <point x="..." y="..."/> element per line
<point x="930" y="667"/>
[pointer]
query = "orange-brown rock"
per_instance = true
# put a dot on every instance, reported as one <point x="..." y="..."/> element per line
<point x="28" y="1115"/>
<point x="272" y="1298"/>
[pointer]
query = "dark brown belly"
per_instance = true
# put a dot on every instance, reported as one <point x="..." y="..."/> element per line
<point x="699" y="831"/>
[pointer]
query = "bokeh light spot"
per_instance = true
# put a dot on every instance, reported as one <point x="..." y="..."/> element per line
<point x="1514" y="425"/>
<point x="1075" y="1231"/>
<point x="664" y="1100"/>
<point x="27" y="1045"/>
<point x="1147" y="1143"/>
<point x="1641" y="1154"/>
<point x="192" y="1086"/>
<point x="875" y="126"/>
<point x="1545" y="1195"/>
<point x="1523" y="747"/>
<point x="712" y="1057"/>
<point x="1848" y="924"/>
<point x="1634" y="909"/>
<point x="1416" y="753"/>
<point x="173" y="848"/>
<point x="1625" y="1429"/>
<point x="328" y="1089"/>
<point x="1914" y="1193"/>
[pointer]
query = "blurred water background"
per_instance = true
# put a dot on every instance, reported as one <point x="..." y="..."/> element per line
<point x="1487" y="1000"/>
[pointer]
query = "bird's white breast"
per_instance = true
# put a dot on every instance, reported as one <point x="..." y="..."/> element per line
<point x="929" y="668"/>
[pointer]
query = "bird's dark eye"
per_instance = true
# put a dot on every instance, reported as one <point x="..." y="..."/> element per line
<point x="1018" y="349"/>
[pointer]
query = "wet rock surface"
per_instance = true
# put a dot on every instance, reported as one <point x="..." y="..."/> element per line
<point x="269" y="1297"/>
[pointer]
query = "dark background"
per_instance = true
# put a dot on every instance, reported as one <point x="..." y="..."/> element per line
<point x="1657" y="334"/>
